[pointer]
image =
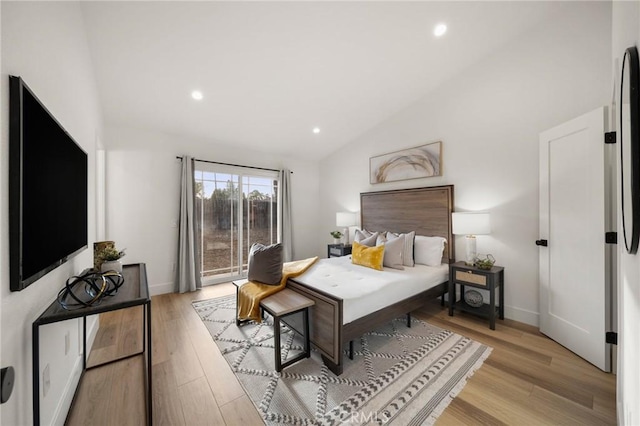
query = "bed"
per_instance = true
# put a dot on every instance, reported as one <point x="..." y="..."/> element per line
<point x="427" y="211"/>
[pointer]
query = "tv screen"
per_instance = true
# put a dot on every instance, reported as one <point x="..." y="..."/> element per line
<point x="47" y="190"/>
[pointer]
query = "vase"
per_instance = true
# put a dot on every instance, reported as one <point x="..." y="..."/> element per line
<point x="336" y="241"/>
<point x="111" y="265"/>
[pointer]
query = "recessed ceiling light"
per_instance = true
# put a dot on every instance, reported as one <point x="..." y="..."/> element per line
<point x="316" y="130"/>
<point x="197" y="95"/>
<point x="439" y="30"/>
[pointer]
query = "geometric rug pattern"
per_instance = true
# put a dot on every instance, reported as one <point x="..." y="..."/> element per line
<point x="399" y="375"/>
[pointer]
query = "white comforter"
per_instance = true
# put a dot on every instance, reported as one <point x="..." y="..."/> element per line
<point x="365" y="290"/>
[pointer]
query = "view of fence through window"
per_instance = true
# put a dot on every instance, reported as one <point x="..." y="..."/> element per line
<point x="235" y="211"/>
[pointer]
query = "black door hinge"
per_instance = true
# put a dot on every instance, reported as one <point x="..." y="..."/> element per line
<point x="611" y="337"/>
<point x="611" y="237"/>
<point x="610" y="137"/>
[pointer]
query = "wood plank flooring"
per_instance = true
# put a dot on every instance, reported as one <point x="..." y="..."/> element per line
<point x="528" y="379"/>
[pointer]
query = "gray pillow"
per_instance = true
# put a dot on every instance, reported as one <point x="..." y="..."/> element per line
<point x="370" y="241"/>
<point x="407" y="255"/>
<point x="393" y="250"/>
<point x="361" y="235"/>
<point x="265" y="264"/>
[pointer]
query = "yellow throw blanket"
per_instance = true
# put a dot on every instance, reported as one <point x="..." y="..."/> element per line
<point x="251" y="293"/>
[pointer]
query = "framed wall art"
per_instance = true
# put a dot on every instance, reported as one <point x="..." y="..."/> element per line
<point x="411" y="163"/>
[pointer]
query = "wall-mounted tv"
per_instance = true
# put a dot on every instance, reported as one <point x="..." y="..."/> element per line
<point x="47" y="190"/>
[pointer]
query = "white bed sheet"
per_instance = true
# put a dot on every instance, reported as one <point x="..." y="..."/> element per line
<point x="365" y="290"/>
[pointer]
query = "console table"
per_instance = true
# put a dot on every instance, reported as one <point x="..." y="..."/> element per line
<point x="134" y="292"/>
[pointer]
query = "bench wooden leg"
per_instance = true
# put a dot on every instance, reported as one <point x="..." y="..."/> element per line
<point x="409" y="319"/>
<point x="351" y="349"/>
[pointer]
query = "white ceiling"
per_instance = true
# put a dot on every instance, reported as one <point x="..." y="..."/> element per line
<point x="271" y="71"/>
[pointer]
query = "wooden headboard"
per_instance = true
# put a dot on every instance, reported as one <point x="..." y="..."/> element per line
<point x="424" y="210"/>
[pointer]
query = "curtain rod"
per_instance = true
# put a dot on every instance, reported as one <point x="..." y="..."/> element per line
<point x="234" y="165"/>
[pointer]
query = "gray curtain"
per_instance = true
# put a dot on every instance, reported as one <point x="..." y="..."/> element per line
<point x="284" y="216"/>
<point x="188" y="264"/>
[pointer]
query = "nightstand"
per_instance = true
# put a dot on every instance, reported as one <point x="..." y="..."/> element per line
<point x="469" y="276"/>
<point x="337" y="250"/>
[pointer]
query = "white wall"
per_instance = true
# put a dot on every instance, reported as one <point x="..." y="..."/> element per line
<point x="143" y="180"/>
<point x="45" y="43"/>
<point x="3" y="231"/>
<point x="626" y="33"/>
<point x="489" y="117"/>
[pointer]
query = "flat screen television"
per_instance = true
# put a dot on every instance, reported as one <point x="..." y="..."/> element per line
<point x="47" y="190"/>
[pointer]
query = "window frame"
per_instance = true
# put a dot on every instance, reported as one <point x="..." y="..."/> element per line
<point x="237" y="266"/>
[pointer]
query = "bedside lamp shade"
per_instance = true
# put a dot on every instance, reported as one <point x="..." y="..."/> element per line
<point x="471" y="224"/>
<point x="345" y="220"/>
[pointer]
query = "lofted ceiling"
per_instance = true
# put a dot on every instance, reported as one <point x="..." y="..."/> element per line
<point x="272" y="71"/>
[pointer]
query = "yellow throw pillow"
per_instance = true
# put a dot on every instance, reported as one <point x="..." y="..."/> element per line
<point x="371" y="257"/>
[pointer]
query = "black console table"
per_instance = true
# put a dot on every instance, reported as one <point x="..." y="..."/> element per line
<point x="134" y="292"/>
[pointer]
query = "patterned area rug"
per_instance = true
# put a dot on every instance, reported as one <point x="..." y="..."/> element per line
<point x="399" y="375"/>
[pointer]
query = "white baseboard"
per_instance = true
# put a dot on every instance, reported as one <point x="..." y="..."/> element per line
<point x="64" y="405"/>
<point x="162" y="288"/>
<point x="66" y="399"/>
<point x="510" y="312"/>
<point x="522" y="315"/>
<point x="517" y="314"/>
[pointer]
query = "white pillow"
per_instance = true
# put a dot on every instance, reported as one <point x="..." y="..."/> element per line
<point x="428" y="250"/>
<point x="392" y="252"/>
<point x="407" y="254"/>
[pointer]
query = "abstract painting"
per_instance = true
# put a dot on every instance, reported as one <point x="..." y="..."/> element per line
<point x="412" y="163"/>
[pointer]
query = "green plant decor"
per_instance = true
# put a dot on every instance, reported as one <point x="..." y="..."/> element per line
<point x="336" y="234"/>
<point x="110" y="254"/>
<point x="485" y="262"/>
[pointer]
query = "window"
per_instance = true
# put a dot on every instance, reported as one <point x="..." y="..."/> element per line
<point x="235" y="207"/>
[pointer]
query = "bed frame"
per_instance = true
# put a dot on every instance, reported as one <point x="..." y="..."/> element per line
<point x="424" y="210"/>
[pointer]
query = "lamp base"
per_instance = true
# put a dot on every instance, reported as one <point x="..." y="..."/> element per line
<point x="345" y="232"/>
<point x="471" y="250"/>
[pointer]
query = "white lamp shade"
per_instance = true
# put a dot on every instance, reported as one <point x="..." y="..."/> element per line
<point x="471" y="223"/>
<point x="345" y="219"/>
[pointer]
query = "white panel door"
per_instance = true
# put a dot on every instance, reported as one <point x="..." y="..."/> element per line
<point x="573" y="278"/>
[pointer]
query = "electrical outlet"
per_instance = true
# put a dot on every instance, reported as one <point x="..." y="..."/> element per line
<point x="67" y="343"/>
<point x="46" y="381"/>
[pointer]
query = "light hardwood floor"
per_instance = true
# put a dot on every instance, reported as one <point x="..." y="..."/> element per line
<point x="527" y="380"/>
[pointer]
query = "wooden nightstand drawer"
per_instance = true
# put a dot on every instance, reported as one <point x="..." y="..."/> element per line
<point x="470" y="277"/>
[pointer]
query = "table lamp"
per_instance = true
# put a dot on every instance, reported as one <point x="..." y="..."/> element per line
<point x="470" y="225"/>
<point x="346" y="219"/>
